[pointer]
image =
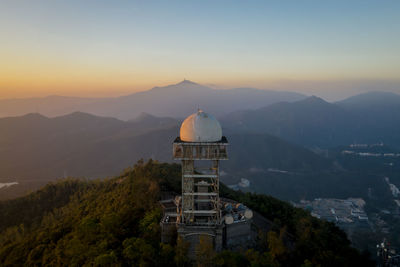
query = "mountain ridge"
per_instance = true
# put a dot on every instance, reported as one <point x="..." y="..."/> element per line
<point x="372" y="97"/>
<point x="313" y="122"/>
<point x="171" y="100"/>
<point x="86" y="145"/>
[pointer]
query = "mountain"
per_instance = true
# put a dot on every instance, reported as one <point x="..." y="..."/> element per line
<point x="116" y="222"/>
<point x="148" y="121"/>
<point x="171" y="101"/>
<point x="380" y="113"/>
<point x="310" y="122"/>
<point x="85" y="145"/>
<point x="77" y="144"/>
<point x="313" y="122"/>
<point x="261" y="152"/>
<point x="371" y="100"/>
<point x="50" y="105"/>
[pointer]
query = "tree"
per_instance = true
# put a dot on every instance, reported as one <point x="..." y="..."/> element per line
<point x="181" y="253"/>
<point x="205" y="252"/>
<point x="275" y="244"/>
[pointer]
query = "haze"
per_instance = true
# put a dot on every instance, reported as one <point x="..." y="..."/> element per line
<point x="101" y="48"/>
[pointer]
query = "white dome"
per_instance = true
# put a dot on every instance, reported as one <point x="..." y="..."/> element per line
<point x="200" y="127"/>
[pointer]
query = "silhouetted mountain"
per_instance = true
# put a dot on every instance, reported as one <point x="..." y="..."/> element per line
<point x="260" y="152"/>
<point x="380" y="114"/>
<point x="371" y="100"/>
<point x="172" y="101"/>
<point x="50" y="105"/>
<point x="311" y="122"/>
<point x="314" y="122"/>
<point x="185" y="97"/>
<point x="35" y="150"/>
<point x="85" y="145"/>
<point x="148" y="121"/>
<point x="38" y="147"/>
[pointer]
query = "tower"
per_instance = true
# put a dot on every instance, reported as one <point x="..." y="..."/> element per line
<point x="200" y="147"/>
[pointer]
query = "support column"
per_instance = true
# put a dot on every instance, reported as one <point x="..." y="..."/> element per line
<point x="187" y="187"/>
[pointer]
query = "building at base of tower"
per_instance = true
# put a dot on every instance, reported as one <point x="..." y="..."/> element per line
<point x="199" y="212"/>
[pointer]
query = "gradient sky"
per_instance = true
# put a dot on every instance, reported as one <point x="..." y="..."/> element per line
<point x="108" y="48"/>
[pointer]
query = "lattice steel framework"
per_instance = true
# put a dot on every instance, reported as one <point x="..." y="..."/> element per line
<point x="200" y="204"/>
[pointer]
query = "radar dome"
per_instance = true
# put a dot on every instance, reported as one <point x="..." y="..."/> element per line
<point x="200" y="127"/>
<point x="229" y="219"/>
<point x="248" y="214"/>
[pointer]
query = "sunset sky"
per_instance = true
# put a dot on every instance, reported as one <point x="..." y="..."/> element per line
<point x="110" y="48"/>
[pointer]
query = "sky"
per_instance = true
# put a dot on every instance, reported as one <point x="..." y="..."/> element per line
<point x="107" y="48"/>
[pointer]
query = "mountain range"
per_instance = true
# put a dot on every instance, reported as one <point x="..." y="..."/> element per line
<point x="313" y="122"/>
<point x="172" y="101"/>
<point x="269" y="145"/>
<point x="37" y="148"/>
<point x="285" y="147"/>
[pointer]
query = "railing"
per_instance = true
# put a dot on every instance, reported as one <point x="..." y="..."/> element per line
<point x="186" y="151"/>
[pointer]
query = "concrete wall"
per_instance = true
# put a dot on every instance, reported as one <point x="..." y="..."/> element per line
<point x="192" y="234"/>
<point x="238" y="234"/>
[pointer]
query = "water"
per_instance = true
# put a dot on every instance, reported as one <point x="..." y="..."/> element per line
<point x="7" y="184"/>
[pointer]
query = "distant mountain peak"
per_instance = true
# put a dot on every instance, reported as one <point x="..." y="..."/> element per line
<point x="313" y="100"/>
<point x="78" y="114"/>
<point x="144" y="116"/>
<point x="34" y="115"/>
<point x="372" y="98"/>
<point x="183" y="86"/>
<point x="186" y="82"/>
<point x="83" y="116"/>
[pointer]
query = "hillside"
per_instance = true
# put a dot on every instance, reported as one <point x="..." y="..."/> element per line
<point x="50" y="105"/>
<point x="84" y="145"/>
<point x="172" y="101"/>
<point x="77" y="144"/>
<point x="264" y="151"/>
<point x="116" y="223"/>
<point x="148" y="121"/>
<point x="313" y="122"/>
<point x="371" y="99"/>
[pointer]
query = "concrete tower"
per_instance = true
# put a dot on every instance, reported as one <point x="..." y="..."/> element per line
<point x="200" y="147"/>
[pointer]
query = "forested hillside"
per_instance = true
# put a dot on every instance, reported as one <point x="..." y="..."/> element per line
<point x="115" y="222"/>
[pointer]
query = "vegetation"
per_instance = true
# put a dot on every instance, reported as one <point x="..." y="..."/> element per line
<point x="115" y="222"/>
